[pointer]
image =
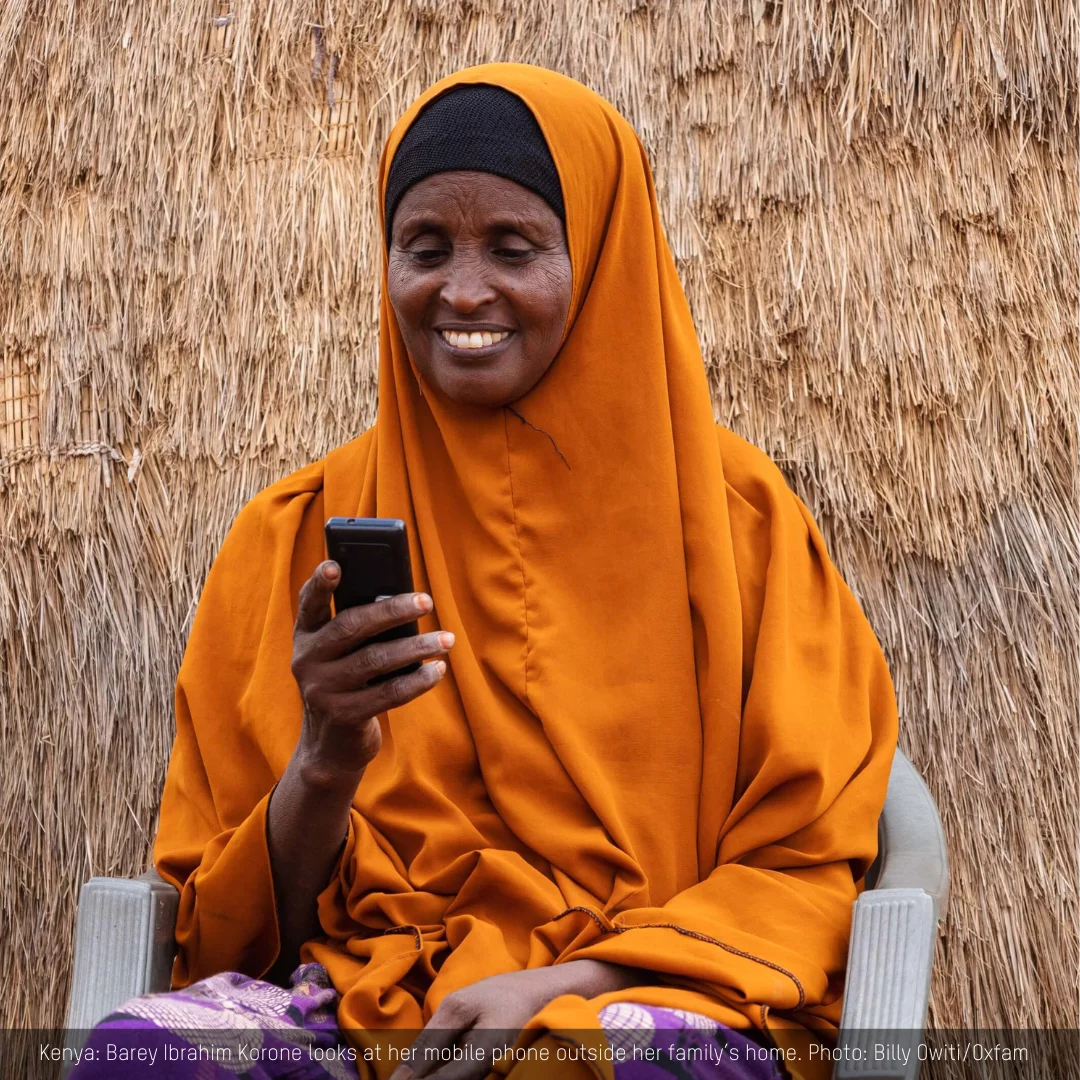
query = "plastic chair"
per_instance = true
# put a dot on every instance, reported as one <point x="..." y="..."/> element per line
<point x="124" y="944"/>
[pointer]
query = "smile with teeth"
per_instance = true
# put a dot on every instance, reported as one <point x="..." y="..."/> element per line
<point x="459" y="339"/>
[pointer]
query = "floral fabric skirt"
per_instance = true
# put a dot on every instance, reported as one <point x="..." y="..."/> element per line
<point x="232" y="1027"/>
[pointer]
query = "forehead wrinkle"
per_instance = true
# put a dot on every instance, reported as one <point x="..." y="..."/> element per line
<point x="482" y="203"/>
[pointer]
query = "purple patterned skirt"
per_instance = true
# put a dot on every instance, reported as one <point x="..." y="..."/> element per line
<point x="232" y="1027"/>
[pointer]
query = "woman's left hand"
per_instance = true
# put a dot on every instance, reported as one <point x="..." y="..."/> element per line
<point x="489" y="1015"/>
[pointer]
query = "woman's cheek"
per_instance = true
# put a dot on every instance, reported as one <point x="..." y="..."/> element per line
<point x="404" y="290"/>
<point x="555" y="286"/>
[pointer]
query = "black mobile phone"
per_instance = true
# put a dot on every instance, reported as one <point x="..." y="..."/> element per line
<point x="373" y="554"/>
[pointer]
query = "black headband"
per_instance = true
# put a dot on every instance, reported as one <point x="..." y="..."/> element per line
<point x="479" y="128"/>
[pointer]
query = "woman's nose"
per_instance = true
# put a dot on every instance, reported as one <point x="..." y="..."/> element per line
<point x="467" y="288"/>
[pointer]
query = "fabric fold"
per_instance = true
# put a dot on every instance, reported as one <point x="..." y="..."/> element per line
<point x="227" y="918"/>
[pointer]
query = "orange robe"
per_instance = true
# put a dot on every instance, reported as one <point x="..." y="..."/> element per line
<point x="665" y="734"/>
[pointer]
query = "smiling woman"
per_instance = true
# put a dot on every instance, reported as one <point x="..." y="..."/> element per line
<point x="480" y="282"/>
<point x="627" y="804"/>
<point x="479" y="274"/>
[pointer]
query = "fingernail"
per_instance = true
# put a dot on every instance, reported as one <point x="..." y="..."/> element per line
<point x="440" y="667"/>
<point x="330" y="569"/>
<point x="422" y="602"/>
<point x="446" y="639"/>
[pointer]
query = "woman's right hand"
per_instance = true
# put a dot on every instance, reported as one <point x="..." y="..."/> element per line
<point x="340" y="732"/>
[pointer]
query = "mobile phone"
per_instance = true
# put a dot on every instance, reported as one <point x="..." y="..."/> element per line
<point x="373" y="554"/>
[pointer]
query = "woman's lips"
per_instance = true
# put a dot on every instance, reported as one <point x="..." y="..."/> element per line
<point x="475" y="344"/>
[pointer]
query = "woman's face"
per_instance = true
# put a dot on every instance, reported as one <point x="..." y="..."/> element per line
<point x="479" y="279"/>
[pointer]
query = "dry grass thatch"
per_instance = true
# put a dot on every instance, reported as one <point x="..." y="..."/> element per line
<point x="874" y="209"/>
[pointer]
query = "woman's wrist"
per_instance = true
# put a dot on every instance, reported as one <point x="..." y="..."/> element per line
<point x="321" y="778"/>
<point x="320" y="770"/>
<point x="590" y="978"/>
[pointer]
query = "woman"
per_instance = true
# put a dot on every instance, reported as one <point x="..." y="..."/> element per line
<point x="634" y="786"/>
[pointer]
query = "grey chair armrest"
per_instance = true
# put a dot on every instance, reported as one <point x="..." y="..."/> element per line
<point x="893" y="933"/>
<point x="887" y="990"/>
<point x="124" y="944"/>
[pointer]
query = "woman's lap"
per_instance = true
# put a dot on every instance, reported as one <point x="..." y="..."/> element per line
<point x="232" y="1027"/>
<point x="659" y="1044"/>
<point x="225" y="1027"/>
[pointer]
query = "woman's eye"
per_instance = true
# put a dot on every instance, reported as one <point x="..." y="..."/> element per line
<point x="428" y="255"/>
<point x="513" y="254"/>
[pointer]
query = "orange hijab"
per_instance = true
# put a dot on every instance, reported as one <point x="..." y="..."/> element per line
<point x="666" y="732"/>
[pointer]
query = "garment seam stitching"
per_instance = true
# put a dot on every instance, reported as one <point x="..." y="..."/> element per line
<point x="418" y="946"/>
<point x="611" y="928"/>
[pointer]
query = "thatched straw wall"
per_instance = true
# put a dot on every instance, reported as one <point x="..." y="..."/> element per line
<point x="873" y="206"/>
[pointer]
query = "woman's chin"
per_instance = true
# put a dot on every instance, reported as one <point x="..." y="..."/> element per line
<point x="485" y="389"/>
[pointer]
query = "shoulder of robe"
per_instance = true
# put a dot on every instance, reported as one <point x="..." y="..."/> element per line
<point x="753" y="476"/>
<point x="263" y="530"/>
<point x="275" y="504"/>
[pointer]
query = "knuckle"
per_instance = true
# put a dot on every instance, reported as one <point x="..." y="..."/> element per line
<point x="456" y="1007"/>
<point x="392" y="693"/>
<point x="316" y="702"/>
<point x="404" y="689"/>
<point x="447" y="1011"/>
<point x="363" y="621"/>
<point x="300" y="656"/>
<point x="383" y="697"/>
<point x="373" y="659"/>
<point x="341" y="630"/>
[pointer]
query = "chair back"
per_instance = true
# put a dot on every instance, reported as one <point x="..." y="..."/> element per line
<point x="911" y="842"/>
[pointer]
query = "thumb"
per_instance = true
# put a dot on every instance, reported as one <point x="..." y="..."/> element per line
<point x="314" y="606"/>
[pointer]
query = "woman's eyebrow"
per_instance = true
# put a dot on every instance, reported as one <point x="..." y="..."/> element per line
<point x="513" y="223"/>
<point x="413" y="227"/>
